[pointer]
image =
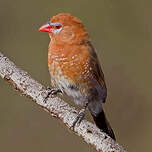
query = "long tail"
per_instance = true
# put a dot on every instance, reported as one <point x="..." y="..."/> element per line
<point x="103" y="124"/>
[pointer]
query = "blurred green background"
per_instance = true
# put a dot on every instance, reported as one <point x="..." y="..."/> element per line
<point x="121" y="31"/>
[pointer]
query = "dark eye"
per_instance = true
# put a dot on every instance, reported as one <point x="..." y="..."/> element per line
<point x="58" y="26"/>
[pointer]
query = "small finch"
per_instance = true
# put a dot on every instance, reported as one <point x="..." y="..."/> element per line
<point x="75" y="69"/>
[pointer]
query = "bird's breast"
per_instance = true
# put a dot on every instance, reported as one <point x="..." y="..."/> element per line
<point x="64" y="78"/>
<point x="69" y="73"/>
<point x="73" y="67"/>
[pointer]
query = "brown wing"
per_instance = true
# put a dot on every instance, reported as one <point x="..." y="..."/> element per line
<point x="97" y="71"/>
<point x="94" y="62"/>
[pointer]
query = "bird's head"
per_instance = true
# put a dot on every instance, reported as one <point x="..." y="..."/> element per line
<point x="64" y="28"/>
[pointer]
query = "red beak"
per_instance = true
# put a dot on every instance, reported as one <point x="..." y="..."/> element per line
<point x="46" y="28"/>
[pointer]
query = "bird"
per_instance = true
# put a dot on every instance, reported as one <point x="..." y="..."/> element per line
<point x="75" y="69"/>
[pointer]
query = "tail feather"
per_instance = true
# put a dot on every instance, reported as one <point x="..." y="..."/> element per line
<point x="103" y="124"/>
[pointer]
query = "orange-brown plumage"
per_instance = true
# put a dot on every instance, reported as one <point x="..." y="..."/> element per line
<point x="74" y="66"/>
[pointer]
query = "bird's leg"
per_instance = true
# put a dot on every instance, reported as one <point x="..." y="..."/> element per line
<point x="80" y="116"/>
<point x="52" y="91"/>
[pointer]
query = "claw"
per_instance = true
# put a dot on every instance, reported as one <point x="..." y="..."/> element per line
<point x="80" y="116"/>
<point x="53" y="92"/>
<point x="78" y="119"/>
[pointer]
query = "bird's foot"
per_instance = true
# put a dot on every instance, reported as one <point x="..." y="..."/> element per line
<point x="79" y="118"/>
<point x="53" y="92"/>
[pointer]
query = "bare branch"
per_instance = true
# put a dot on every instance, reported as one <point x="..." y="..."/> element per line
<point x="56" y="106"/>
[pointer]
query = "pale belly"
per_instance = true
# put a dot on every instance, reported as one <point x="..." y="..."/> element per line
<point x="65" y="86"/>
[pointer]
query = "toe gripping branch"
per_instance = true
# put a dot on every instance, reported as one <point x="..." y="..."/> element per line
<point x="80" y="116"/>
<point x="53" y="92"/>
